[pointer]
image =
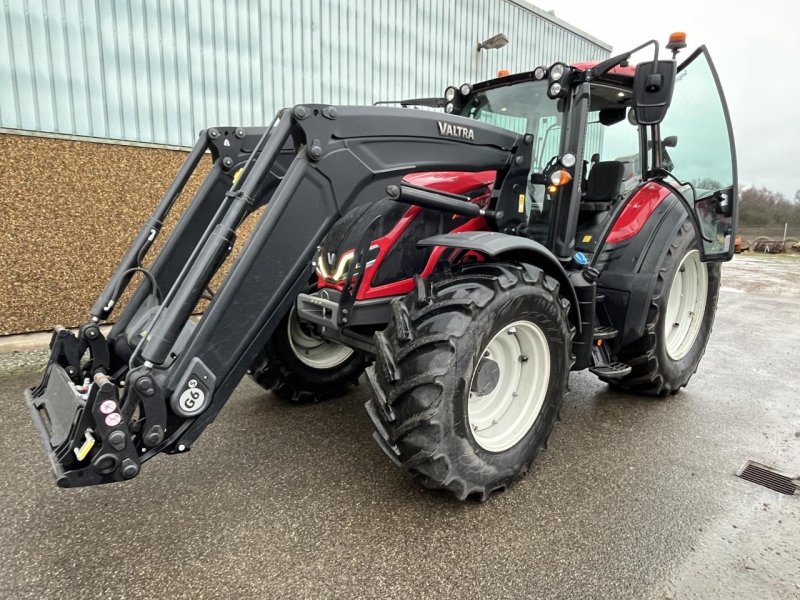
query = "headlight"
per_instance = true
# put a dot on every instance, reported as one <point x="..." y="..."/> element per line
<point x="559" y="178"/>
<point x="338" y="270"/>
<point x="557" y="71"/>
<point x="466" y="89"/>
<point x="555" y="89"/>
<point x="539" y="73"/>
<point x="568" y="160"/>
<point x="449" y="107"/>
<point x="450" y="94"/>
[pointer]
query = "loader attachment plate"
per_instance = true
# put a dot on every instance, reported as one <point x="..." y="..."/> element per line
<point x="58" y="410"/>
<point x="84" y="435"/>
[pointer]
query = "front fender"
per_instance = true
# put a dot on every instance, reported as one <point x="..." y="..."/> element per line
<point x="502" y="245"/>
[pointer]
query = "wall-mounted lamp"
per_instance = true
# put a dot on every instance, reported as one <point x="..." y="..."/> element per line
<point x="494" y="42"/>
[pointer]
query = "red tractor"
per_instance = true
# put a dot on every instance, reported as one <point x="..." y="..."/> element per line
<point x="565" y="218"/>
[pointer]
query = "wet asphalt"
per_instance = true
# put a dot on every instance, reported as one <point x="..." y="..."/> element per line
<point x="635" y="497"/>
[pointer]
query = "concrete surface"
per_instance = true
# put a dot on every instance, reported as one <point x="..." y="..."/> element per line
<point x="38" y="340"/>
<point x="636" y="498"/>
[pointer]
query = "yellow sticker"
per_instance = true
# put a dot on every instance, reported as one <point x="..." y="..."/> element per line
<point x="521" y="206"/>
<point x="587" y="239"/>
<point x="238" y="174"/>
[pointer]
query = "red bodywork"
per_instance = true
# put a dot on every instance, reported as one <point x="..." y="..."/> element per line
<point x="479" y="185"/>
<point x="630" y="70"/>
<point x="639" y="209"/>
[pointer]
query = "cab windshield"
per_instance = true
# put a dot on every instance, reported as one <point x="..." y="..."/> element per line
<point x="525" y="108"/>
<point x="522" y="108"/>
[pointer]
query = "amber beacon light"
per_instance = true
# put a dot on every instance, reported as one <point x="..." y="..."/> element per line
<point x="677" y="41"/>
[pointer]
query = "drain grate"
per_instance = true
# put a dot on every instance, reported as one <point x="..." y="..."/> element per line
<point x="768" y="477"/>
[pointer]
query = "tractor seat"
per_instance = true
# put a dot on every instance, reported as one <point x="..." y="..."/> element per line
<point x="603" y="185"/>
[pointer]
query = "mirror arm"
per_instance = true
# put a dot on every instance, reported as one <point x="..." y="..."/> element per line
<point x="655" y="135"/>
<point x="604" y="67"/>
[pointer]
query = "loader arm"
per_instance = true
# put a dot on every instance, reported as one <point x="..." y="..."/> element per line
<point x="313" y="166"/>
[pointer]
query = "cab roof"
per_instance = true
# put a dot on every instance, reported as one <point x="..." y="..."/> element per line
<point x="629" y="71"/>
<point x="619" y="75"/>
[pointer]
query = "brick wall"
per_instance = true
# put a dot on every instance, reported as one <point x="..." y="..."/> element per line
<point x="68" y="211"/>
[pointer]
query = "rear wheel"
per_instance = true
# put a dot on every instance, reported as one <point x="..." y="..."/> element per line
<point x="470" y="376"/>
<point x="679" y="321"/>
<point x="300" y="366"/>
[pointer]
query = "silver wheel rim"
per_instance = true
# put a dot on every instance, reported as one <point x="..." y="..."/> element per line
<point x="508" y="386"/>
<point x="315" y="352"/>
<point x="686" y="305"/>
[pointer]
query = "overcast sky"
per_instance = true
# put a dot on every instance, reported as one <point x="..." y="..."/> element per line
<point x="756" y="49"/>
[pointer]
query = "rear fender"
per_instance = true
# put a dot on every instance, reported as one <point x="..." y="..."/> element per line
<point x="511" y="247"/>
<point x="628" y="269"/>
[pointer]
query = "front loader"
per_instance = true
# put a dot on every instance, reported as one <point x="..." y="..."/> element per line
<point x="466" y="260"/>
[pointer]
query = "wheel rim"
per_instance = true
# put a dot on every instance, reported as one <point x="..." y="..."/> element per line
<point x="686" y="305"/>
<point x="509" y="386"/>
<point x="313" y="351"/>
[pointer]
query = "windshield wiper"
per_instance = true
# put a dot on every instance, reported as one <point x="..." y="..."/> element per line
<point x="429" y="102"/>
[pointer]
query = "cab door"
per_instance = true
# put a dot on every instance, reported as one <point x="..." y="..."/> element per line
<point x="698" y="149"/>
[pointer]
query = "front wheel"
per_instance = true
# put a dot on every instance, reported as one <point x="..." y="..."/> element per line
<point x="679" y="321"/>
<point x="470" y="376"/>
<point x="300" y="366"/>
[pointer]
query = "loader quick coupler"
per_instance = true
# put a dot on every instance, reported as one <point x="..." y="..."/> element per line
<point x="90" y="336"/>
<point x="148" y="395"/>
<point x="102" y="450"/>
<point x="67" y="350"/>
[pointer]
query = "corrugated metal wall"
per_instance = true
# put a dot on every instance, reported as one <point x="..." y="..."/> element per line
<point x="160" y="70"/>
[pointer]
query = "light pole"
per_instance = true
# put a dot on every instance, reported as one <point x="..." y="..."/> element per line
<point x="495" y="42"/>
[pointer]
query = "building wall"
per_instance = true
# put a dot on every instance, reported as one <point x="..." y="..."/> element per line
<point x="160" y="70"/>
<point x="69" y="216"/>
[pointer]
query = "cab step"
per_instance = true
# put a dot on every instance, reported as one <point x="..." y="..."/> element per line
<point x="615" y="370"/>
<point x="604" y="332"/>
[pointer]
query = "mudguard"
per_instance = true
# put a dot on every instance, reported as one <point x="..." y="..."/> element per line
<point x="503" y="245"/>
<point x="628" y="269"/>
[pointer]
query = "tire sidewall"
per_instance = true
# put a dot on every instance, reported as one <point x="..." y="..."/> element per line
<point x="677" y="372"/>
<point x="281" y="349"/>
<point x="279" y="370"/>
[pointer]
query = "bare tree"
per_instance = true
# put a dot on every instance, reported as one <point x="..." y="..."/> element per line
<point x="760" y="207"/>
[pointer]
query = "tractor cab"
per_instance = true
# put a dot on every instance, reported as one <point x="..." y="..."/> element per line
<point x="593" y="156"/>
<point x="611" y="167"/>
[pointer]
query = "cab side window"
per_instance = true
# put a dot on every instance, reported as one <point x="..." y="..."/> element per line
<point x="610" y="136"/>
<point x="694" y="133"/>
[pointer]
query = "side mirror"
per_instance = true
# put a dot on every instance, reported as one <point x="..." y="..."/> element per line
<point x="670" y="141"/>
<point x="652" y="90"/>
